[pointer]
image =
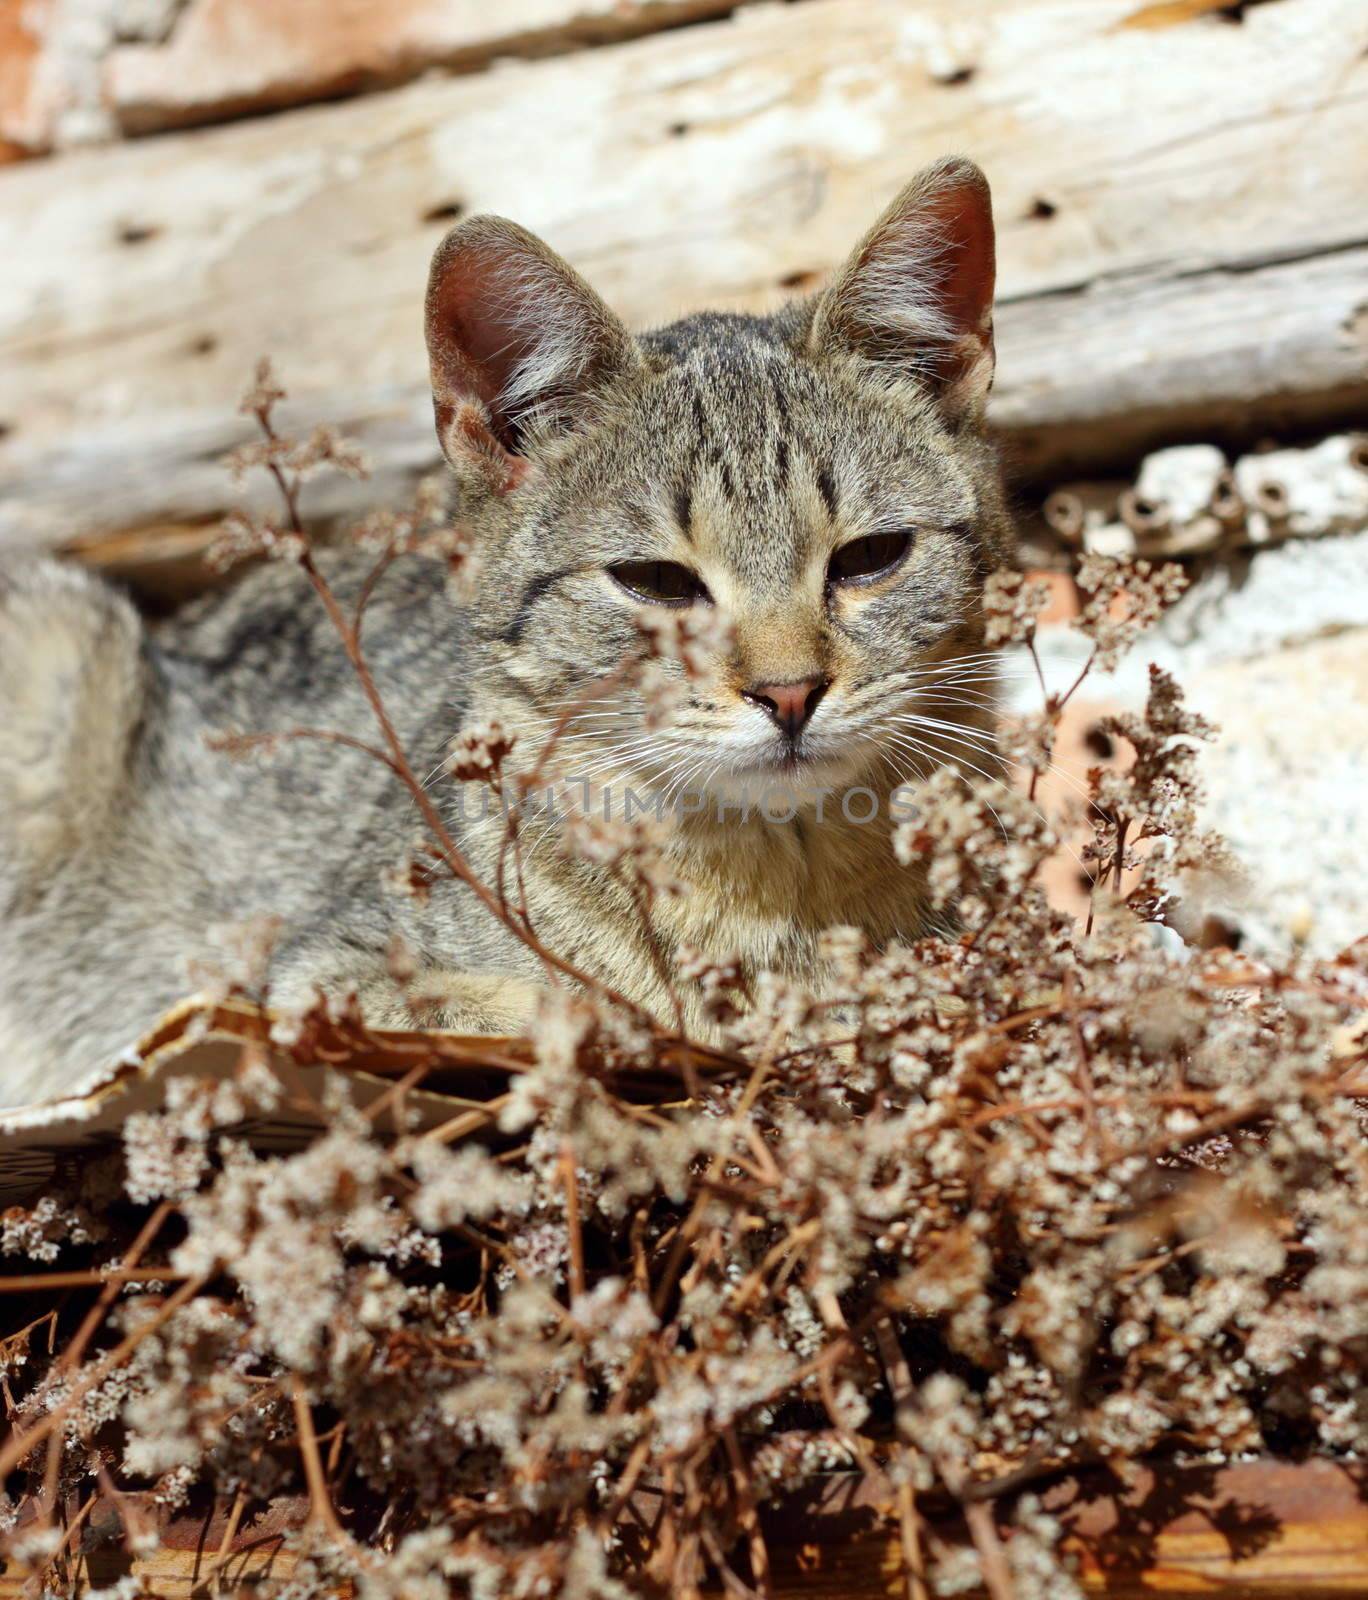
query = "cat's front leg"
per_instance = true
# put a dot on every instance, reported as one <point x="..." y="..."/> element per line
<point x="452" y="1002"/>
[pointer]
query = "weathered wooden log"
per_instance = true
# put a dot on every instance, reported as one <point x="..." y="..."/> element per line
<point x="76" y="74"/>
<point x="1182" y="241"/>
<point x="1260" y="1530"/>
<point x="227" y="57"/>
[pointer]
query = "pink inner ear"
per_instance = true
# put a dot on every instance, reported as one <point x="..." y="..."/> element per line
<point x="512" y="330"/>
<point x="967" y="277"/>
<point x="473" y="329"/>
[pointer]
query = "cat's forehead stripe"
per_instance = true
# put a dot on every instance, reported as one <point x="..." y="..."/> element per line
<point x="683" y="508"/>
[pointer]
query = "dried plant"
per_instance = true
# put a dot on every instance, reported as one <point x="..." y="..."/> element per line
<point x="1022" y="1197"/>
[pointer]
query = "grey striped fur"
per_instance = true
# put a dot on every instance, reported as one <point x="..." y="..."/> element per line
<point x="747" y="448"/>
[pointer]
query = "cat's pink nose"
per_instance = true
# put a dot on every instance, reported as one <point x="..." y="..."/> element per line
<point x="789" y="704"/>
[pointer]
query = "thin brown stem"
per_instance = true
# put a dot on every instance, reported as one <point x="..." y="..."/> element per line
<point x="321" y="1508"/>
<point x="574" y="1227"/>
<point x="27" y="1282"/>
<point x="394" y="754"/>
<point x="997" y="1573"/>
<point x="747" y="1514"/>
<point x="224" y="1552"/>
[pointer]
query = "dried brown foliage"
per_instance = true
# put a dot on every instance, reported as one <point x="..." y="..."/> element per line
<point x="1026" y="1196"/>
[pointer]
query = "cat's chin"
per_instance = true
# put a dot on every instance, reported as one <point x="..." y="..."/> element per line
<point x="796" y="774"/>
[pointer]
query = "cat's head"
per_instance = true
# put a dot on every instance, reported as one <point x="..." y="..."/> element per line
<point x="822" y="474"/>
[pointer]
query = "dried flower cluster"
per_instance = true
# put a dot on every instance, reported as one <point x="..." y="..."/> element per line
<point x="1018" y="1198"/>
<point x="1120" y="602"/>
<point x="1012" y="604"/>
<point x="681" y="649"/>
<point x="477" y="753"/>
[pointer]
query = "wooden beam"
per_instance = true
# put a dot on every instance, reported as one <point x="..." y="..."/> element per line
<point x="231" y="57"/>
<point x="1275" y="1530"/>
<point x="1182" y="234"/>
<point x="1233" y="353"/>
<point x="74" y="75"/>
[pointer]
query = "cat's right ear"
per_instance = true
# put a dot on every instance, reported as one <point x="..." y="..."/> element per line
<point x="915" y="300"/>
<point x="518" y="343"/>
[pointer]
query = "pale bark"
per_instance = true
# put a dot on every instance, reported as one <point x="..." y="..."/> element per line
<point x="1183" y="245"/>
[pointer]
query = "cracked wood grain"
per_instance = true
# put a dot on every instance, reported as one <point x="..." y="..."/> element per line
<point x="1179" y="211"/>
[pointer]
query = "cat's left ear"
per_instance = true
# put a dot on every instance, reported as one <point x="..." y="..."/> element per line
<point x="517" y="343"/>
<point x="916" y="297"/>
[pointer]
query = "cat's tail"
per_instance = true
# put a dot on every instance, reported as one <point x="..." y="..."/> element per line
<point x="73" y="689"/>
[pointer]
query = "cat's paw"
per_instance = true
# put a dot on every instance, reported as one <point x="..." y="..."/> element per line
<point x="438" y="999"/>
<point x="71" y="692"/>
<point x="471" y="1002"/>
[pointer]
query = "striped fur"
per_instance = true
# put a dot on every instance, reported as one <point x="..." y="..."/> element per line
<point x="747" y="448"/>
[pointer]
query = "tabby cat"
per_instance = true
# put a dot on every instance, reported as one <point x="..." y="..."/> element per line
<point x="822" y="475"/>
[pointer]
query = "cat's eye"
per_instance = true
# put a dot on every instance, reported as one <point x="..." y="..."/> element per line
<point x="870" y="557"/>
<point x="660" y="583"/>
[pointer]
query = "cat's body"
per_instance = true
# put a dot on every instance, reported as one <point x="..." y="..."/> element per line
<point x="770" y="463"/>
